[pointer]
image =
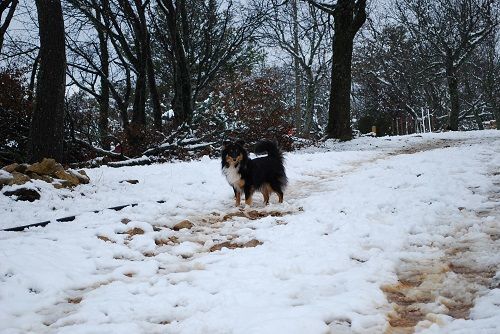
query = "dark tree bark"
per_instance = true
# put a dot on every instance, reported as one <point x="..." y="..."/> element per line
<point x="153" y="90"/>
<point x="181" y="104"/>
<point x="349" y="16"/>
<point x="452" y="81"/>
<point x="46" y="137"/>
<point x="104" y="93"/>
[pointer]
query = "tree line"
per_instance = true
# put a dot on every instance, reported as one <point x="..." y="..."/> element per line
<point x="126" y="78"/>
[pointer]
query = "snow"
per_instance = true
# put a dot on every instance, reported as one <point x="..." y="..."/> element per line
<point x="357" y="217"/>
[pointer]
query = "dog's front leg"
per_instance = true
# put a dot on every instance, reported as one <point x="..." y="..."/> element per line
<point x="237" y="196"/>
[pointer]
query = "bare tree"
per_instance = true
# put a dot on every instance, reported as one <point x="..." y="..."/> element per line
<point x="46" y="137"/>
<point x="302" y="31"/>
<point x="349" y="16"/>
<point x="452" y="29"/>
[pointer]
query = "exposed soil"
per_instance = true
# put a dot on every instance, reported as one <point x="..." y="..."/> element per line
<point x="447" y="284"/>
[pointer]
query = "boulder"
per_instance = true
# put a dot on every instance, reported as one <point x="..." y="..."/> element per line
<point x="24" y="194"/>
<point x="10" y="168"/>
<point x="68" y="178"/>
<point x="80" y="175"/>
<point x="19" y="178"/>
<point x="45" y="167"/>
<point x="46" y="178"/>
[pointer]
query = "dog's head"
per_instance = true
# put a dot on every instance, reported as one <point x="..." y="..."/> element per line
<point x="233" y="153"/>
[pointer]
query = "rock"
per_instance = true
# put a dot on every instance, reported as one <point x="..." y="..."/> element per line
<point x="24" y="194"/>
<point x="19" y="178"/>
<point x="135" y="231"/>
<point x="10" y="168"/>
<point x="68" y="178"/>
<point x="183" y="224"/>
<point x="22" y="168"/>
<point x="46" y="178"/>
<point x="45" y="167"/>
<point x="80" y="175"/>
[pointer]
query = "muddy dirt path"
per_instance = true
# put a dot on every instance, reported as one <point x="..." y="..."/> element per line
<point x="447" y="279"/>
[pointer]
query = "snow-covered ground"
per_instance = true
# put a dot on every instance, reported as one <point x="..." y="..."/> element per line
<point x="375" y="232"/>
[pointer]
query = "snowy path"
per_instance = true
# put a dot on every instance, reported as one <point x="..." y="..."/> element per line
<point x="394" y="238"/>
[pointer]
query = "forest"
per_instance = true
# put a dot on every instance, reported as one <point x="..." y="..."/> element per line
<point x="93" y="82"/>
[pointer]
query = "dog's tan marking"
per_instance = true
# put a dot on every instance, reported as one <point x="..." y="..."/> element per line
<point x="248" y="201"/>
<point x="280" y="198"/>
<point x="241" y="183"/>
<point x="238" y="198"/>
<point x="266" y="191"/>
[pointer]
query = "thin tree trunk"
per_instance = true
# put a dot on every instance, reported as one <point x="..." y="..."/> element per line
<point x="451" y="78"/>
<point x="182" y="101"/>
<point x="153" y="89"/>
<point x="8" y="19"/>
<point x="310" y="97"/>
<point x="103" y="124"/>
<point x="296" y="69"/>
<point x="46" y="136"/>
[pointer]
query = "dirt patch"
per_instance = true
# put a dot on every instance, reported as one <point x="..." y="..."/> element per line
<point x="103" y="238"/>
<point x="231" y="245"/>
<point x="446" y="285"/>
<point x="169" y="241"/>
<point x="75" y="300"/>
<point x="135" y="231"/>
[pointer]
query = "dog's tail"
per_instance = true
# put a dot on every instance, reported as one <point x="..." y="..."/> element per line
<point x="270" y="147"/>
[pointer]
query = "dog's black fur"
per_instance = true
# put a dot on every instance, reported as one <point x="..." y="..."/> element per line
<point x="245" y="175"/>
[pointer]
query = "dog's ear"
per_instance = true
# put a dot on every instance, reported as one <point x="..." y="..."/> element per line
<point x="240" y="142"/>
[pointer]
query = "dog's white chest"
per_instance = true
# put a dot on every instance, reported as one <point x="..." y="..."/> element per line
<point x="232" y="175"/>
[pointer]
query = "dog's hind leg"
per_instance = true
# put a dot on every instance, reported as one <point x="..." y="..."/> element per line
<point x="266" y="192"/>
<point x="248" y="195"/>
<point x="276" y="187"/>
<point x="280" y="197"/>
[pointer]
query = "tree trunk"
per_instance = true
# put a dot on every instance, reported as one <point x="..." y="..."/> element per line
<point x="451" y="79"/>
<point x="46" y="137"/>
<point x="349" y="16"/>
<point x="103" y="124"/>
<point x="339" y="112"/>
<point x="310" y="97"/>
<point x="296" y="69"/>
<point x="153" y="91"/>
<point x="139" y="107"/>
<point x="182" y="101"/>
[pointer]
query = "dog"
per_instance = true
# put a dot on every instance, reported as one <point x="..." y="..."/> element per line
<point x="245" y="175"/>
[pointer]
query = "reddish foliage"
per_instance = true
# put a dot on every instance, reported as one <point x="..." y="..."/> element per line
<point x="253" y="109"/>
